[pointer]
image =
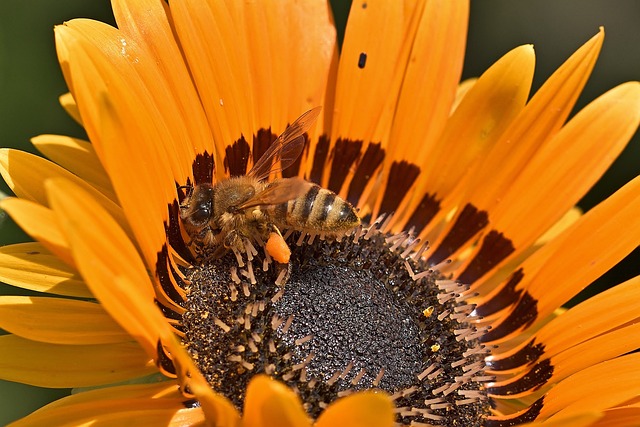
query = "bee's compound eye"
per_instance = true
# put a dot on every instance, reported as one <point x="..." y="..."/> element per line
<point x="202" y="212"/>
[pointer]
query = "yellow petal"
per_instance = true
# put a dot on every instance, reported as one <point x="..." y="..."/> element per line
<point x="148" y="404"/>
<point x="162" y="390"/>
<point x="76" y="156"/>
<point x="31" y="266"/>
<point x="365" y="409"/>
<point x="59" y="321"/>
<point x="269" y="403"/>
<point x="41" y="224"/>
<point x="104" y="254"/>
<point x="70" y="106"/>
<point x="25" y="174"/>
<point x="117" y="413"/>
<point x="64" y="366"/>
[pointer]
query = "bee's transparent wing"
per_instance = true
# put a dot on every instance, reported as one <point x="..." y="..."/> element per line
<point x="279" y="191"/>
<point x="286" y="148"/>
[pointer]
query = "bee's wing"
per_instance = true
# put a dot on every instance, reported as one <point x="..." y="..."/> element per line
<point x="279" y="191"/>
<point x="286" y="148"/>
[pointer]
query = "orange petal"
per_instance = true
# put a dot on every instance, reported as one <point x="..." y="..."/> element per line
<point x="603" y="386"/>
<point x="363" y="110"/>
<point x="365" y="409"/>
<point x="366" y="60"/>
<point x="621" y="417"/>
<point x="543" y="116"/>
<point x="486" y="111"/>
<point x="147" y="23"/>
<point x="286" y="79"/>
<point x="138" y="92"/>
<point x="118" y="118"/>
<point x="431" y="80"/>
<point x="584" y="419"/>
<point x="562" y="171"/>
<point x="576" y="256"/>
<point x="462" y="90"/>
<point x="578" y="324"/>
<point x="217" y="57"/>
<point x="269" y="403"/>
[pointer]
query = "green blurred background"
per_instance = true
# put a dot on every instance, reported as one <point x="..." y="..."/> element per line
<point x="30" y="83"/>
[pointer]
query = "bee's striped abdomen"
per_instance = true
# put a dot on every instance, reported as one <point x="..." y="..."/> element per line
<point x="319" y="210"/>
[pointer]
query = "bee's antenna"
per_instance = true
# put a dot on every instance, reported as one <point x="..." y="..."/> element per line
<point x="188" y="188"/>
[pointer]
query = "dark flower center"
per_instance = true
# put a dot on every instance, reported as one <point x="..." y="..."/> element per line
<point x="354" y="314"/>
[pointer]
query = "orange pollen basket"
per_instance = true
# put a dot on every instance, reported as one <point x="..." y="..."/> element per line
<point x="277" y="248"/>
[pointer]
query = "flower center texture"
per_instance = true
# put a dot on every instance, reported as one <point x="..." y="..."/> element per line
<point x="360" y="313"/>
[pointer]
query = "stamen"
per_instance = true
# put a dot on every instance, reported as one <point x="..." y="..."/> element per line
<point x="287" y="325"/>
<point x="238" y="257"/>
<point x="346" y="370"/>
<point x="334" y="378"/>
<point x="444" y="314"/>
<point x="276" y="322"/>
<point x="221" y="324"/>
<point x="376" y="381"/>
<point x="301" y="239"/>
<point x="426" y="372"/>
<point x="234" y="276"/>
<point x="303" y="340"/>
<point x="358" y="376"/>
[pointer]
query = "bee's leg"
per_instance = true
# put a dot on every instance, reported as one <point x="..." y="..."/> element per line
<point x="284" y="273"/>
<point x="231" y="239"/>
<point x="218" y="253"/>
<point x="235" y="241"/>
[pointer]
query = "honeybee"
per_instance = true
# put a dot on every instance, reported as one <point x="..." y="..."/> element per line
<point x="238" y="212"/>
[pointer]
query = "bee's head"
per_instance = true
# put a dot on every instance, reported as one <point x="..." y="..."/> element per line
<point x="198" y="207"/>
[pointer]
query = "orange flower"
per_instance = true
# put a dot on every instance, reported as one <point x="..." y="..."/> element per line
<point x="363" y="333"/>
